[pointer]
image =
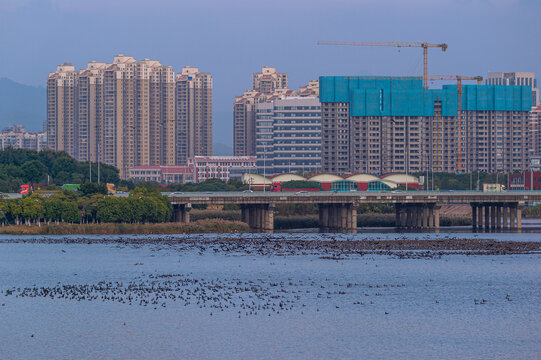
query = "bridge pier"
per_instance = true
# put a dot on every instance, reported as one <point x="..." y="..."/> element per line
<point x="497" y="216"/>
<point x="181" y="213"/>
<point x="417" y="216"/>
<point x="338" y="218"/>
<point x="260" y="217"/>
<point x="480" y="216"/>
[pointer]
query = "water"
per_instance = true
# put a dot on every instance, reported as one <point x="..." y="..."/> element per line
<point x="370" y="306"/>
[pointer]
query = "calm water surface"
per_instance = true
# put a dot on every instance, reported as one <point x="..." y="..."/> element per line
<point x="371" y="307"/>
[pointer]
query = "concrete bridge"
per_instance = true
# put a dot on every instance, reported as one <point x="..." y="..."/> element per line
<point x="338" y="210"/>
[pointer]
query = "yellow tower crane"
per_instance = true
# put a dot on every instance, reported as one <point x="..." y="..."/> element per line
<point x="398" y="44"/>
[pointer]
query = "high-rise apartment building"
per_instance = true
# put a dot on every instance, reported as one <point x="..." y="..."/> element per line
<point x="61" y="118"/>
<point x="515" y="78"/>
<point x="268" y="80"/>
<point x="288" y="135"/>
<point x="244" y="118"/>
<point x="266" y="86"/>
<point x="535" y="131"/>
<point x="194" y="114"/>
<point x="125" y="114"/>
<point x="244" y="122"/>
<point x="379" y="126"/>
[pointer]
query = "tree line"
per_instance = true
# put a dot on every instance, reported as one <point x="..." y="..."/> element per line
<point x="23" y="166"/>
<point x="89" y="205"/>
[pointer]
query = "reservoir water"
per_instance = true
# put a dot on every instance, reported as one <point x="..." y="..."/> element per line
<point x="74" y="297"/>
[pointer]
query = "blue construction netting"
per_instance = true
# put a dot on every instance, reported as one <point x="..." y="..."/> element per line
<point x="385" y="96"/>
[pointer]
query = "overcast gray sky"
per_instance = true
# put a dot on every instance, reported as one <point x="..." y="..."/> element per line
<point x="233" y="39"/>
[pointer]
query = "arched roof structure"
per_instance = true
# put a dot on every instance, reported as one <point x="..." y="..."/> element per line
<point x="287" y="177"/>
<point x="325" y="178"/>
<point x="362" y="178"/>
<point x="255" y="179"/>
<point x="401" y="178"/>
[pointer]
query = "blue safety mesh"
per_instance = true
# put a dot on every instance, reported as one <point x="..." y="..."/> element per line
<point x="386" y="96"/>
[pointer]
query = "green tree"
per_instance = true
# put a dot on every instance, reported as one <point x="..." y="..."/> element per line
<point x="32" y="208"/>
<point x="88" y="206"/>
<point x="93" y="188"/>
<point x="15" y="210"/>
<point x="63" y="164"/>
<point x="110" y="210"/>
<point x="53" y="209"/>
<point x="33" y="170"/>
<point x="4" y="210"/>
<point x="70" y="212"/>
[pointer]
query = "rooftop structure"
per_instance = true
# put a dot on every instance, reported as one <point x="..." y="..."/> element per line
<point x="268" y="80"/>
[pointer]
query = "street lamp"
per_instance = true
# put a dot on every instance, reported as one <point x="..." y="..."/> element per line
<point x="264" y="165"/>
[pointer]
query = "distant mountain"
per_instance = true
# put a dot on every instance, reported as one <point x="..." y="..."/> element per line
<point x="22" y="104"/>
<point x="221" y="149"/>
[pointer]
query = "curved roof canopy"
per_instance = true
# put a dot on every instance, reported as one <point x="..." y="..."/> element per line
<point x="325" y="178"/>
<point x="287" y="177"/>
<point x="362" y="178"/>
<point x="255" y="179"/>
<point x="401" y="178"/>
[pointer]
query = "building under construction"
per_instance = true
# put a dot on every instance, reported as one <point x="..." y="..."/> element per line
<point x="379" y="125"/>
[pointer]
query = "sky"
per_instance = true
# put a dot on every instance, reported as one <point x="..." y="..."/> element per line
<point x="232" y="39"/>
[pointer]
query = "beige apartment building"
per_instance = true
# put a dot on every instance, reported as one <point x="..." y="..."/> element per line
<point x="125" y="114"/>
<point x="268" y="80"/>
<point x="193" y="114"/>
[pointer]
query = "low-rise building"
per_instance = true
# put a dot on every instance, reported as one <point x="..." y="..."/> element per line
<point x="224" y="168"/>
<point x="17" y="137"/>
<point x="163" y="174"/>
<point x="528" y="180"/>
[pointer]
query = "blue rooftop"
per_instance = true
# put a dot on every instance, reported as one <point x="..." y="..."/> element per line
<point x="387" y="96"/>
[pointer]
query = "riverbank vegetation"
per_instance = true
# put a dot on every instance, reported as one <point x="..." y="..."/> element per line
<point x="198" y="227"/>
<point x="89" y="205"/>
<point x="533" y="212"/>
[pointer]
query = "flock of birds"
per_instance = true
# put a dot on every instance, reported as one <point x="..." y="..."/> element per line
<point x="244" y="297"/>
<point x="261" y="296"/>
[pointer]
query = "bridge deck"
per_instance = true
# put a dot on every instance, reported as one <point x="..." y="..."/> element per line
<point x="321" y="197"/>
